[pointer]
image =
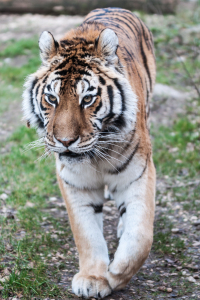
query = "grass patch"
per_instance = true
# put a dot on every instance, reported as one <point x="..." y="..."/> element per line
<point x="25" y="242"/>
<point x="12" y="77"/>
<point x="164" y="241"/>
<point x="170" y="49"/>
<point x="21" y="47"/>
<point x="176" y="148"/>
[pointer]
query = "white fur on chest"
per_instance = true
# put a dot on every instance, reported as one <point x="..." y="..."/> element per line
<point x="89" y="176"/>
<point x="82" y="175"/>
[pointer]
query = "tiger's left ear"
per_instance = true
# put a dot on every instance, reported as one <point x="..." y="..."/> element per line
<point x="48" y="46"/>
<point x="107" y="44"/>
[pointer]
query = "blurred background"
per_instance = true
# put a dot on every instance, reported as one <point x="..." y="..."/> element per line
<point x="38" y="257"/>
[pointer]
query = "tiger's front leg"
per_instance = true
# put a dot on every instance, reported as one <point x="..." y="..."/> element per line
<point x="85" y="213"/>
<point x="136" y="206"/>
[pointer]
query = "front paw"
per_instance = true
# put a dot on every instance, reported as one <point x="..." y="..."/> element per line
<point x="88" y="286"/>
<point x="118" y="280"/>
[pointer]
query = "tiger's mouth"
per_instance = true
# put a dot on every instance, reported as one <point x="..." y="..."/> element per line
<point x="71" y="154"/>
<point x="74" y="155"/>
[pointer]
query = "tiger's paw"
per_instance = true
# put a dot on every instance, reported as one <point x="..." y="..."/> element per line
<point x="88" y="286"/>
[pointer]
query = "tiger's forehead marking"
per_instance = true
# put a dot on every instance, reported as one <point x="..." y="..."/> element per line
<point x="53" y="86"/>
<point x="87" y="85"/>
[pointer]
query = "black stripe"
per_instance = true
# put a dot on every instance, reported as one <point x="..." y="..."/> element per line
<point x="146" y="38"/>
<point x="77" y="187"/>
<point x="88" y="82"/>
<point x="102" y="80"/>
<point x="147" y="99"/>
<point x="84" y="72"/>
<point x="99" y="91"/>
<point x="103" y="12"/>
<point x="91" y="88"/>
<point x="110" y="95"/>
<point x="122" y="211"/>
<point x="67" y="42"/>
<point x="37" y="89"/>
<point x="119" y="13"/>
<point x="97" y="208"/>
<point x="119" y="122"/>
<point x="146" y="65"/>
<point x="40" y="123"/>
<point x="123" y="22"/>
<point x="142" y="171"/>
<point x="98" y="108"/>
<point x="62" y="73"/>
<point x="31" y="94"/>
<point x="49" y="87"/>
<point x="42" y="107"/>
<point x="124" y="166"/>
<point x="118" y="85"/>
<point x="47" y="123"/>
<point x="131" y="55"/>
<point x="62" y="65"/>
<point x="45" y="78"/>
<point x="120" y="205"/>
<point x="110" y="25"/>
<point x="132" y="21"/>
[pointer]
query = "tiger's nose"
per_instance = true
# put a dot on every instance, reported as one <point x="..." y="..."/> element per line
<point x="68" y="142"/>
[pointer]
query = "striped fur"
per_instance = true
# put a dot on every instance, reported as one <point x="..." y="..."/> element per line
<point x="90" y="103"/>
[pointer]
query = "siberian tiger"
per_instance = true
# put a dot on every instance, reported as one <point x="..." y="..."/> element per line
<point x="90" y="103"/>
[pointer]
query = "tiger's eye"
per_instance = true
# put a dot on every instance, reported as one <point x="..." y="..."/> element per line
<point x="87" y="99"/>
<point x="52" y="98"/>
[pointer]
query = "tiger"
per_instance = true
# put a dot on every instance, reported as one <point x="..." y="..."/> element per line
<point x="89" y="102"/>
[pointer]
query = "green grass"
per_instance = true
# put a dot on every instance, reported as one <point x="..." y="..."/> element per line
<point x="34" y="182"/>
<point x="23" y="46"/>
<point x="182" y="134"/>
<point x="169" y="48"/>
<point x="11" y="77"/>
<point x="165" y="242"/>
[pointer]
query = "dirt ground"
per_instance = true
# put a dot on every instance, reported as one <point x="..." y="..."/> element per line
<point x="146" y="281"/>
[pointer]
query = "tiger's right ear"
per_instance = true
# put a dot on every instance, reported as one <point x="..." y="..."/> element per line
<point x="107" y="44"/>
<point x="48" y="46"/>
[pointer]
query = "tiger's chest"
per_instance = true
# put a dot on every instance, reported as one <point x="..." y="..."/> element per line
<point x="92" y="177"/>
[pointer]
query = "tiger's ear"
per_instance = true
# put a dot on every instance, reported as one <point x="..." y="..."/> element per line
<point x="48" y="46"/>
<point x="107" y="44"/>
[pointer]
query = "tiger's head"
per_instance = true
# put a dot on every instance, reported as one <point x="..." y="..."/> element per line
<point x="80" y="93"/>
